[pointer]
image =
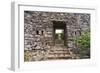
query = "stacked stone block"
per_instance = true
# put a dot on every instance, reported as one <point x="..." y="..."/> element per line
<point x="38" y="30"/>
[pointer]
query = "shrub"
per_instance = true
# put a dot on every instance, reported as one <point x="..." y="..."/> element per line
<point x="83" y="43"/>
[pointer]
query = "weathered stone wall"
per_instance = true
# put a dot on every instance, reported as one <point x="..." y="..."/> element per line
<point x="38" y="28"/>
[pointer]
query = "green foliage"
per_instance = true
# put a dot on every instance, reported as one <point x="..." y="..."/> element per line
<point x="83" y="43"/>
<point x="56" y="36"/>
<point x="62" y="36"/>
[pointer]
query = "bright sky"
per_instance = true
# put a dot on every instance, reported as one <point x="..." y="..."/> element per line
<point x="58" y="31"/>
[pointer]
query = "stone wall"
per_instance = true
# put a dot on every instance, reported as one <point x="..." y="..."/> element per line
<point x="38" y="28"/>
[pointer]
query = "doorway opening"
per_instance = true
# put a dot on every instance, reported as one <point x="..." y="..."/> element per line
<point x="59" y="36"/>
<point x="59" y="33"/>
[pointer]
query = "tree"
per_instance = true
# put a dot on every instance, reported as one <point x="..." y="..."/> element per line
<point x="83" y="43"/>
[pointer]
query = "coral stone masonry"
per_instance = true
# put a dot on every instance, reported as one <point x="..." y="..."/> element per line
<point x="40" y="41"/>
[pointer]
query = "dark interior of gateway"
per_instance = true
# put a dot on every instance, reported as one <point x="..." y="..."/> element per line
<point x="59" y="33"/>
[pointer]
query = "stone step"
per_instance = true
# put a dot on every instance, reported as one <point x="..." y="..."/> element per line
<point x="60" y="46"/>
<point x="55" y="56"/>
<point x="52" y="58"/>
<point x="59" y="52"/>
<point x="59" y="57"/>
<point x="67" y="52"/>
<point x="59" y="49"/>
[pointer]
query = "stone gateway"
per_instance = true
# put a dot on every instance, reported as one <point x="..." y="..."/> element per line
<point x="41" y="42"/>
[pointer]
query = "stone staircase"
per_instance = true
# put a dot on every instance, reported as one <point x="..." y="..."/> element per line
<point x="59" y="51"/>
